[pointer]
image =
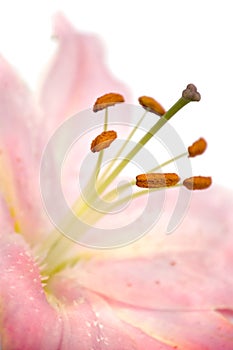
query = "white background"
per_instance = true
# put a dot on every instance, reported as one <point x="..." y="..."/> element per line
<point x="156" y="47"/>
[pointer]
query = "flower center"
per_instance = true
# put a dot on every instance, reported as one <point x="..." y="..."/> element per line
<point x="97" y="195"/>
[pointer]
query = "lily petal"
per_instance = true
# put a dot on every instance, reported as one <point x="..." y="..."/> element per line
<point x="18" y="152"/>
<point x="77" y="75"/>
<point x="75" y="318"/>
<point x="27" y="320"/>
<point x="99" y="310"/>
<point x="187" y="270"/>
<point x="191" y="330"/>
<point x="91" y="323"/>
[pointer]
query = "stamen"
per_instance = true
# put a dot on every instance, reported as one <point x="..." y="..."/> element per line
<point x="103" y="140"/>
<point x="197" y="182"/>
<point x="157" y="180"/>
<point x="191" y="93"/>
<point x="151" y="105"/>
<point x="107" y="100"/>
<point x="158" y="125"/>
<point x="197" y="148"/>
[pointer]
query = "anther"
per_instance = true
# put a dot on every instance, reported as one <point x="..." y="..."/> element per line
<point x="151" y="105"/>
<point x="191" y="93"/>
<point x="107" y="100"/>
<point x="103" y="140"/>
<point x="197" y="182"/>
<point x="197" y="148"/>
<point x="157" y="180"/>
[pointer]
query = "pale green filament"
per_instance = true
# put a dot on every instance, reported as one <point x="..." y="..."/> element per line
<point x="123" y="146"/>
<point x="169" y="161"/>
<point x="106" y="119"/>
<point x="101" y="154"/>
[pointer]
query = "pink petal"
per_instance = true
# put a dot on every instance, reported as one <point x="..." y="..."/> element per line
<point x="18" y="150"/>
<point x="77" y="76"/>
<point x="70" y="85"/>
<point x="90" y="323"/>
<point x="182" y="293"/>
<point x="192" y="268"/>
<point x="78" y="318"/>
<point x="96" y="322"/>
<point x="190" y="330"/>
<point x="27" y="320"/>
<point x="89" y="317"/>
<point x="192" y="282"/>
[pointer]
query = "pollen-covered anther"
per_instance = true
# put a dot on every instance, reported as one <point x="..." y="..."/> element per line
<point x="191" y="93"/>
<point x="151" y="105"/>
<point x="107" y="100"/>
<point x="157" y="180"/>
<point x="197" y="182"/>
<point x="103" y="140"/>
<point x="197" y="148"/>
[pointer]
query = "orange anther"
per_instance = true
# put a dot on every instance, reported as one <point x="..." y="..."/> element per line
<point x="197" y="148"/>
<point x="197" y="182"/>
<point x="151" y="105"/>
<point x="157" y="180"/>
<point x="107" y="100"/>
<point x="103" y="140"/>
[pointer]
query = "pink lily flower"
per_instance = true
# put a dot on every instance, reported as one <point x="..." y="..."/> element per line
<point x="159" y="293"/>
